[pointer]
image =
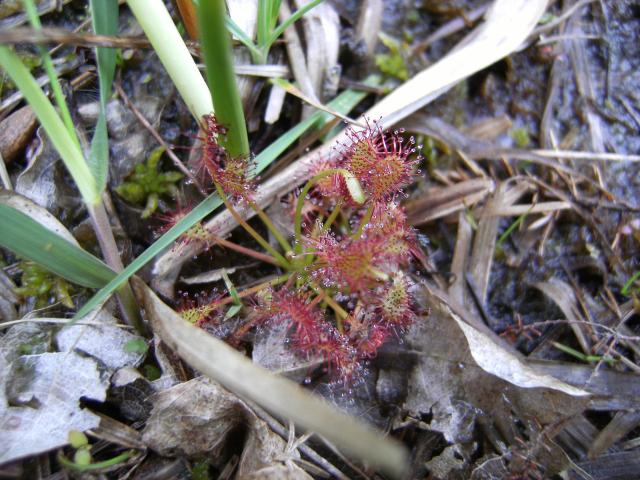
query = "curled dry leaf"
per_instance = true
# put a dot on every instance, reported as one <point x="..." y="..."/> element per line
<point x="195" y="418"/>
<point x="458" y="380"/>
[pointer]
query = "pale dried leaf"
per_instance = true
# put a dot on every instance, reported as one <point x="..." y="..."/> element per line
<point x="106" y="343"/>
<point x="503" y="364"/>
<point x="562" y="294"/>
<point x="507" y="24"/>
<point x="44" y="393"/>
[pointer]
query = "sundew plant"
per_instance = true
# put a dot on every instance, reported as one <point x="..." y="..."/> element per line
<point x="342" y="292"/>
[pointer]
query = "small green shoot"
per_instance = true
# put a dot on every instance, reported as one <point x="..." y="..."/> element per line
<point x="511" y="229"/>
<point x="521" y="137"/>
<point x="146" y="184"/>
<point x="82" y="462"/>
<point x="581" y="356"/>
<point x="77" y="439"/>
<point x="136" y="345"/>
<point x="267" y="32"/>
<point x="626" y="289"/>
<point x="237" y="303"/>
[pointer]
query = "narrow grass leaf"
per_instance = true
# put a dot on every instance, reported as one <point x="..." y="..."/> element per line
<point x="221" y="78"/>
<point x="237" y="32"/>
<point x="34" y="20"/>
<point x="98" y="160"/>
<point x="29" y="239"/>
<point x="157" y="24"/>
<point x="63" y="142"/>
<point x="289" y="21"/>
<point x="343" y="103"/>
<point x="104" y="16"/>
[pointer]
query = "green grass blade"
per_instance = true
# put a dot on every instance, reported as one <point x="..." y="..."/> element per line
<point x="293" y="18"/>
<point x="104" y="16"/>
<point x="157" y="24"/>
<point x="237" y="32"/>
<point x="29" y="239"/>
<point x="221" y="78"/>
<point x="98" y="160"/>
<point x="63" y="142"/>
<point x="34" y="20"/>
<point x="342" y="103"/>
<point x="205" y="207"/>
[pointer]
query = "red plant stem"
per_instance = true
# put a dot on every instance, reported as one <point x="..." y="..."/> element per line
<point x="258" y="238"/>
<point x="245" y="251"/>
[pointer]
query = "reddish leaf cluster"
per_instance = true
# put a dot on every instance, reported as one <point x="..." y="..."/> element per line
<point x="233" y="175"/>
<point x="351" y="293"/>
<point x="380" y="160"/>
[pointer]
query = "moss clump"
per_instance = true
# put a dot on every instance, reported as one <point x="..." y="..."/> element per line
<point x="146" y="184"/>
<point x="44" y="286"/>
<point x="393" y="63"/>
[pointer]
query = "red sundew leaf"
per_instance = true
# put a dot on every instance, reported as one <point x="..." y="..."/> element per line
<point x="311" y="333"/>
<point x="295" y="310"/>
<point x="233" y="175"/>
<point x="380" y="160"/>
<point x="197" y="233"/>
<point x="349" y="263"/>
<point x="368" y="346"/>
<point x="199" y="310"/>
<point x="332" y="187"/>
<point x="394" y="304"/>
<point x="390" y="222"/>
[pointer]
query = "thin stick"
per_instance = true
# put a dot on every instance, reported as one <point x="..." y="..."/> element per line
<point x="574" y="155"/>
<point x="145" y="123"/>
<point x="44" y="36"/>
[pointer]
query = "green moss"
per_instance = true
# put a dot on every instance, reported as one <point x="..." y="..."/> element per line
<point x="44" y="286"/>
<point x="392" y="63"/>
<point x="146" y="184"/>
